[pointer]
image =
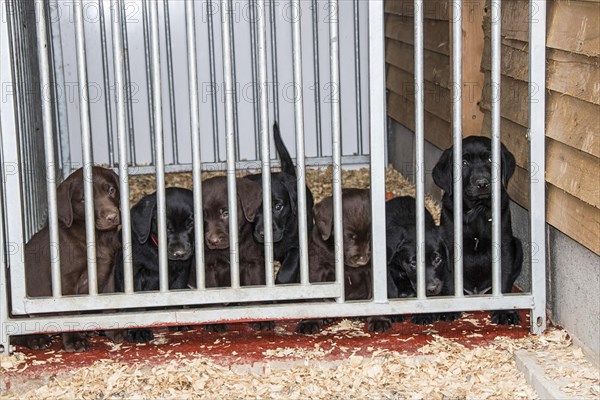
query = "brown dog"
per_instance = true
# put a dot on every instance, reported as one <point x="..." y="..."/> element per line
<point x="216" y="237"/>
<point x="358" y="281"/>
<point x="73" y="248"/>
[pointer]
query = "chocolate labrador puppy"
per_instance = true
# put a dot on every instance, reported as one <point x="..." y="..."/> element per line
<point x="477" y="216"/>
<point x="180" y="246"/>
<point x="284" y="198"/>
<point x="73" y="249"/>
<point x="358" y="281"/>
<point x="216" y="238"/>
<point x="401" y="241"/>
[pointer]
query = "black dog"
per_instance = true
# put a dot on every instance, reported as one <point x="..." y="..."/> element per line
<point x="180" y="246"/>
<point x="477" y="216"/>
<point x="284" y="208"/>
<point x="401" y="235"/>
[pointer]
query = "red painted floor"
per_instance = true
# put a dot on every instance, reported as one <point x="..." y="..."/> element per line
<point x="242" y="345"/>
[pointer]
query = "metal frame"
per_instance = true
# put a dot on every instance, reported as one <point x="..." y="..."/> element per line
<point x="205" y="305"/>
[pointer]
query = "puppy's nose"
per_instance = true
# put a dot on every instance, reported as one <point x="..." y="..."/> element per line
<point x="433" y="288"/>
<point x="482" y="183"/>
<point x="179" y="253"/>
<point x="112" y="217"/>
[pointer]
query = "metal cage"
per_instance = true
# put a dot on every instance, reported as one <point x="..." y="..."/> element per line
<point x="162" y="86"/>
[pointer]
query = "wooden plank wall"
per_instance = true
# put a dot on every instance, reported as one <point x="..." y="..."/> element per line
<point x="437" y="27"/>
<point x="572" y="111"/>
<point x="572" y="95"/>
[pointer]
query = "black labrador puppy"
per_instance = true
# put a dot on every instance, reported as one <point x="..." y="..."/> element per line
<point x="180" y="246"/>
<point x="284" y="208"/>
<point x="401" y="237"/>
<point x="477" y="216"/>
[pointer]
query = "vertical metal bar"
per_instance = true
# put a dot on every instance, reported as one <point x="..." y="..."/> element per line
<point x="9" y="148"/>
<point x="496" y="159"/>
<point x="357" y="80"/>
<point x="4" y="314"/>
<point x="159" y="151"/>
<point x="213" y="79"/>
<point x="457" y="144"/>
<point x="171" y="82"/>
<point x="336" y="139"/>
<point x="236" y="119"/>
<point x="230" y="142"/>
<point x="254" y="67"/>
<point x="265" y="146"/>
<point x="537" y="189"/>
<point x="130" y="126"/>
<point x="61" y="108"/>
<point x="317" y="73"/>
<point x="105" y="76"/>
<point x="377" y="124"/>
<point x="190" y="27"/>
<point x="299" y="125"/>
<point x="86" y="144"/>
<point x="148" y="63"/>
<point x="122" y="135"/>
<point x="419" y="136"/>
<point x="274" y="62"/>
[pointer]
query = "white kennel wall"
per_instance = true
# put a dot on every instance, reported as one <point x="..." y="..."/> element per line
<point x="245" y="16"/>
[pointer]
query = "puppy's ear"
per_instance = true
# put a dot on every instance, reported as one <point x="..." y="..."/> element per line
<point x="444" y="248"/>
<point x="114" y="178"/>
<point x="508" y="165"/>
<point x="141" y="218"/>
<point x="64" y="197"/>
<point x="442" y="172"/>
<point x="395" y="239"/>
<point x="323" y="213"/>
<point x="249" y="194"/>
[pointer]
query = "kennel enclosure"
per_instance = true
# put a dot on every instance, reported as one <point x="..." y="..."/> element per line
<point x="158" y="87"/>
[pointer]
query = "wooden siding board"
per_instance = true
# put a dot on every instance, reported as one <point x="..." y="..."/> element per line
<point x="568" y="119"/>
<point x="566" y="73"/>
<point x="435" y="35"/>
<point x="436" y="66"/>
<point x="572" y="25"/>
<point x="437" y="98"/>
<point x="433" y="9"/>
<point x="437" y="131"/>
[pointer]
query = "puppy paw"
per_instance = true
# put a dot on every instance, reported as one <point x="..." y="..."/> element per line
<point x="397" y="318"/>
<point x="379" y="324"/>
<point x="505" y="317"/>
<point x="181" y="328"/>
<point x="310" y="326"/>
<point x="219" y="328"/>
<point x="35" y="342"/>
<point x="425" y="319"/>
<point x="263" y="325"/>
<point x="139" y="335"/>
<point x="449" y="317"/>
<point x="116" y="335"/>
<point x="74" y="343"/>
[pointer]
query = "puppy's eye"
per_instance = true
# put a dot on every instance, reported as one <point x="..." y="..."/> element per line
<point x="170" y="229"/>
<point x="278" y="207"/>
<point x="352" y="237"/>
<point x="112" y="190"/>
<point x="465" y="163"/>
<point x="490" y="159"/>
<point x="224" y="212"/>
<point x="437" y="260"/>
